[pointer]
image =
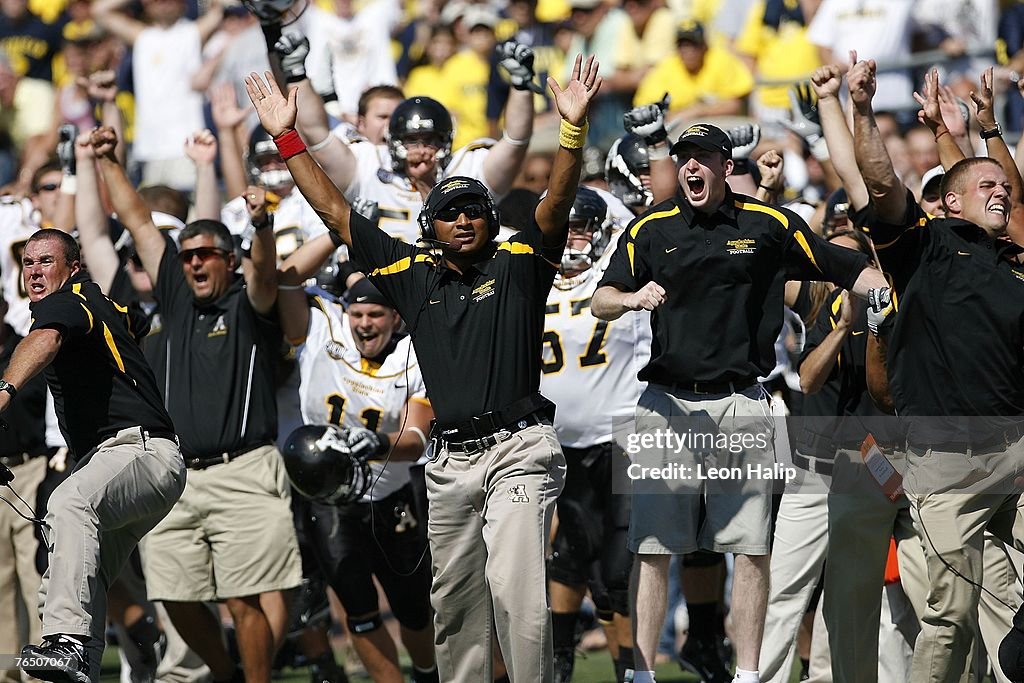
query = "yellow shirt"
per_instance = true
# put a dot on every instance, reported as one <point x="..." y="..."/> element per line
<point x="723" y="77"/>
<point x="426" y="80"/>
<point x="781" y="54"/>
<point x="460" y="84"/>
<point x="32" y="113"/>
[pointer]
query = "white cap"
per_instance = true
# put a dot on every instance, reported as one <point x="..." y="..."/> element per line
<point x="930" y="175"/>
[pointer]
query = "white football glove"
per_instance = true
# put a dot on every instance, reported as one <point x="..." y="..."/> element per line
<point x="293" y="50"/>
<point x="517" y="60"/>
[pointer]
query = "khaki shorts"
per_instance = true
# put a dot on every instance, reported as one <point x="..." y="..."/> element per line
<point x="230" y="535"/>
<point x="693" y="511"/>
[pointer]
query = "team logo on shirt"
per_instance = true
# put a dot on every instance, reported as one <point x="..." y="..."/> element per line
<point x="741" y="246"/>
<point x="1017" y="274"/>
<point x="483" y="291"/>
<point x="334" y="349"/>
<point x="517" y="494"/>
<point x="385" y="176"/>
<point x="220" y="328"/>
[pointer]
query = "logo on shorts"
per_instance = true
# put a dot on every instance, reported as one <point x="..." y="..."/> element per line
<point x="517" y="494"/>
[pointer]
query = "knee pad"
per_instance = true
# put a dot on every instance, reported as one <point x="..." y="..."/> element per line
<point x="702" y="558"/>
<point x="360" y="627"/>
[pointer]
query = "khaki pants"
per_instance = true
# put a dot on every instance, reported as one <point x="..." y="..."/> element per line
<point x="96" y="518"/>
<point x="953" y="504"/>
<point x="490" y="515"/>
<point x="19" y="577"/>
<point x="862" y="520"/>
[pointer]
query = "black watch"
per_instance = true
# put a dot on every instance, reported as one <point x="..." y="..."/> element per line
<point x="267" y="222"/>
<point x="8" y="387"/>
<point x="994" y="133"/>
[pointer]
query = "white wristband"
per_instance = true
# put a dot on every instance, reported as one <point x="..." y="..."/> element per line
<point x="320" y="145"/>
<point x="68" y="184"/>
<point x="819" y="149"/>
<point x="512" y="141"/>
<point x="418" y="432"/>
<point x="657" y="152"/>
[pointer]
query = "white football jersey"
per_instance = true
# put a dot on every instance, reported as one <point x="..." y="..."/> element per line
<point x="17" y="223"/>
<point x="295" y="222"/>
<point x="338" y="387"/>
<point x="589" y="366"/>
<point x="398" y="201"/>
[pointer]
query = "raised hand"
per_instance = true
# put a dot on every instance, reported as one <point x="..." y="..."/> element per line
<point x="83" y="146"/>
<point x="517" y="60"/>
<point x="744" y="139"/>
<point x="277" y="113"/>
<point x="101" y="86"/>
<point x="293" y="50"/>
<point x="984" y="110"/>
<point x="931" y="113"/>
<point x="862" y="82"/>
<point x="66" y="136"/>
<point x="770" y="165"/>
<point x="104" y="142"/>
<point x="201" y="147"/>
<point x="646" y="121"/>
<point x="826" y="82"/>
<point x="227" y="115"/>
<point x="849" y="309"/>
<point x="573" y="102"/>
<point x="256" y="203"/>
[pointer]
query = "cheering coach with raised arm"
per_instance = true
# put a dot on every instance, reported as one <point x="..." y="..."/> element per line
<point x="475" y="310"/>
<point x="129" y="472"/>
<point x="712" y="265"/>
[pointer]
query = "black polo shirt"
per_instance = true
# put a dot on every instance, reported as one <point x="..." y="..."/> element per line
<point x="841" y="413"/>
<point x="25" y="417"/>
<point x="477" y="335"/>
<point x="219" y="375"/>
<point x="100" y="381"/>
<point x="957" y="345"/>
<point x="724" y="276"/>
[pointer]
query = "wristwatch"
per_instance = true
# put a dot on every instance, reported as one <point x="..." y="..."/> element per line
<point x="994" y="133"/>
<point x="8" y="387"/>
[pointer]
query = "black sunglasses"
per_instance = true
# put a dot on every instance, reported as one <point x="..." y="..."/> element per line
<point x="204" y="254"/>
<point x="48" y="187"/>
<point x="450" y="214"/>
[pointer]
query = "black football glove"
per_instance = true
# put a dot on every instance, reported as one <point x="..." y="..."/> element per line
<point x="367" y="445"/>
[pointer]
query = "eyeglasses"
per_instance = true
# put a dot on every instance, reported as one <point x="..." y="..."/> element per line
<point x="48" y="187"/>
<point x="450" y="214"/>
<point x="204" y="254"/>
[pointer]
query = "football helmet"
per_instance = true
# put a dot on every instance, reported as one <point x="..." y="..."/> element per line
<point x="416" y="116"/>
<point x="321" y="465"/>
<point x="589" y="213"/>
<point x="261" y="150"/>
<point x="627" y="160"/>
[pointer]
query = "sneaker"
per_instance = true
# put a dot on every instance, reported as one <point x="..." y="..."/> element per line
<point x="60" y="658"/>
<point x="702" y="658"/>
<point x="565" y="662"/>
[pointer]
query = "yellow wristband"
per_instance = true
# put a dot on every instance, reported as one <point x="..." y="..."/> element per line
<point x="571" y="136"/>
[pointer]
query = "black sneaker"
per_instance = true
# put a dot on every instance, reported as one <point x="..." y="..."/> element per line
<point x="702" y="658"/>
<point x="565" y="662"/>
<point x="60" y="658"/>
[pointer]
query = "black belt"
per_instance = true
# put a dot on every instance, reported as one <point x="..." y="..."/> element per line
<point x="18" y="459"/>
<point x="483" y="431"/>
<point x="734" y="387"/>
<point x="997" y="442"/>
<point x="202" y="462"/>
<point x="160" y="434"/>
<point x="812" y="464"/>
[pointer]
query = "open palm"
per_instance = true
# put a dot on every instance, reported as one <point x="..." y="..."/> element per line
<point x="276" y="112"/>
<point x="573" y="102"/>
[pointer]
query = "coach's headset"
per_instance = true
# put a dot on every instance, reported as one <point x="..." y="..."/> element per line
<point x="443" y="193"/>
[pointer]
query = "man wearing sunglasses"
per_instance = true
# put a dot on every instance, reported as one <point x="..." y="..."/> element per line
<point x="231" y="537"/>
<point x="475" y="311"/>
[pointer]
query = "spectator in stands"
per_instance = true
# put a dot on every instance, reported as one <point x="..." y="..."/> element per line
<point x="31" y="44"/>
<point x="701" y="80"/>
<point x="26" y="108"/>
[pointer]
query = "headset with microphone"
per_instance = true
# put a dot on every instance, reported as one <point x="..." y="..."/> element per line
<point x="443" y="193"/>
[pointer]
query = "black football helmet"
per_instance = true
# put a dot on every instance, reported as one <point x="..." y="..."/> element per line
<point x="261" y="150"/>
<point x="627" y="161"/>
<point x="321" y="465"/>
<point x="416" y="116"/>
<point x="589" y="213"/>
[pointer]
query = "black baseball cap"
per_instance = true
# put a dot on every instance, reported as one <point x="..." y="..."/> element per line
<point x="690" y="31"/>
<point x="706" y="137"/>
<point x="363" y="291"/>
<point x="450" y="189"/>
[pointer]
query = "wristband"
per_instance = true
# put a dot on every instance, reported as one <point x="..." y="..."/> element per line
<point x="571" y="136"/>
<point x="657" y="152"/>
<point x="336" y="239"/>
<point x="383" y="444"/>
<point x="819" y="149"/>
<point x="514" y="142"/>
<point x="267" y="222"/>
<point x="289" y="144"/>
<point x="989" y="134"/>
<point x="68" y="184"/>
<point x="946" y="132"/>
<point x="767" y="189"/>
<point x="320" y="145"/>
<point x="418" y="432"/>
